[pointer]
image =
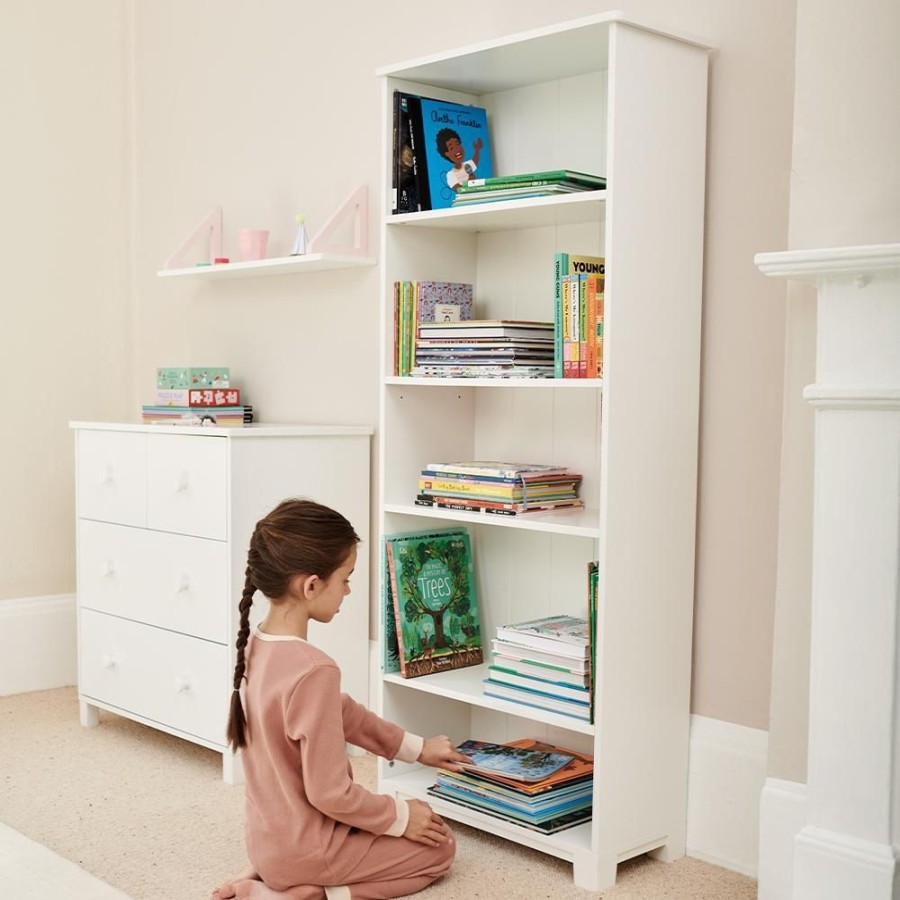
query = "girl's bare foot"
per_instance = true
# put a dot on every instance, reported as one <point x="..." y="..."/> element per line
<point x="227" y="890"/>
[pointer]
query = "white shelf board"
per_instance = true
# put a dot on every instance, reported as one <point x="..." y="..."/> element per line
<point x="569" y="383"/>
<point x="576" y="522"/>
<point x="280" y="265"/>
<point x="505" y="215"/>
<point x="467" y="686"/>
<point x="564" y="844"/>
<point x="544" y="54"/>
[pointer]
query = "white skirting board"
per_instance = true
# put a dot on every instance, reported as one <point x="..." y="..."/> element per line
<point x="782" y="813"/>
<point x="37" y="644"/>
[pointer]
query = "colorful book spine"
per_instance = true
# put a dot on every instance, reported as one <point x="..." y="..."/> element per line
<point x="582" y="327"/>
<point x="560" y="265"/>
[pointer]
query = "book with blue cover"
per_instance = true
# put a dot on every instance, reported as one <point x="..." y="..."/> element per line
<point x="457" y="148"/>
<point x="512" y="762"/>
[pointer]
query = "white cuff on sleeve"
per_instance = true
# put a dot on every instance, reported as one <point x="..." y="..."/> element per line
<point x="402" y="820"/>
<point x="410" y="747"/>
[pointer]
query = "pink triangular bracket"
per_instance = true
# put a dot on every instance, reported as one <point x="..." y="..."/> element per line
<point x="210" y="226"/>
<point x="357" y="205"/>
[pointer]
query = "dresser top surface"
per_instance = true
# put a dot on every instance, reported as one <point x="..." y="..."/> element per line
<point x="235" y="433"/>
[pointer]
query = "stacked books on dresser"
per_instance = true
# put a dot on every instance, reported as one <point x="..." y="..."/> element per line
<point x="498" y="488"/>
<point x="530" y="783"/>
<point x="485" y="348"/>
<point x="545" y="663"/>
<point x="199" y="395"/>
<point x="526" y="186"/>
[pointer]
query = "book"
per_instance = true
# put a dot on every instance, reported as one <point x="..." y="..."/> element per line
<point x="496" y="508"/>
<point x="542" y="683"/>
<point x="594" y="182"/>
<point x="528" y="655"/>
<point x="487" y="490"/>
<point x="456" y="145"/>
<point x="562" y="634"/>
<point x="435" y="601"/>
<point x="518" y="763"/>
<point x="198" y="397"/>
<point x="490" y="195"/>
<point x="404" y="172"/>
<point x="193" y="376"/>
<point x="496" y="469"/>
<point x="538" y="700"/>
<point x="486" y="328"/>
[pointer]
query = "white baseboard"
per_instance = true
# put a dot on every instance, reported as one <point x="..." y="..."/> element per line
<point x="725" y="780"/>
<point x="782" y="813"/>
<point x="37" y="644"/>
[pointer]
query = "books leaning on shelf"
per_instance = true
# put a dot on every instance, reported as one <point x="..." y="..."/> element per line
<point x="578" y="308"/>
<point x="425" y="301"/>
<point x="559" y="799"/>
<point x="438" y="145"/>
<point x="444" y="487"/>
<point x="545" y="663"/>
<point x="434" y="604"/>
<point x="526" y="185"/>
<point x="484" y="348"/>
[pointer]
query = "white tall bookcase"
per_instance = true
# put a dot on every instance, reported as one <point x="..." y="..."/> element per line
<point x="612" y="96"/>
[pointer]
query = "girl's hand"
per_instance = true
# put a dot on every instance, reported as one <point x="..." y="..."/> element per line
<point x="425" y="826"/>
<point x="440" y="753"/>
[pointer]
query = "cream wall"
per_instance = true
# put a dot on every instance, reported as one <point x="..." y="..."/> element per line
<point x="845" y="191"/>
<point x="272" y="108"/>
<point x="65" y="299"/>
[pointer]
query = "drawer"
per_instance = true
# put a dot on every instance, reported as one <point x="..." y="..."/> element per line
<point x="169" y="580"/>
<point x="112" y="476"/>
<point x="187" y="478"/>
<point x="180" y="682"/>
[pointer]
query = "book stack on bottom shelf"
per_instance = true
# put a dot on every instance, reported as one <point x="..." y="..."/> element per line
<point x="533" y="784"/>
<point x="546" y="663"/>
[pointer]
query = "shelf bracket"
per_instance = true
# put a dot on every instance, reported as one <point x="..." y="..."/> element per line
<point x="356" y="205"/>
<point x="211" y="225"/>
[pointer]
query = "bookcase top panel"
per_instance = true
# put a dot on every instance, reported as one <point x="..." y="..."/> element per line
<point x="543" y="54"/>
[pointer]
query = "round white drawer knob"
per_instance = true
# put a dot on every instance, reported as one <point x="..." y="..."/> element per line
<point x="182" y="482"/>
<point x="108" y="661"/>
<point x="182" y="684"/>
<point x="184" y="584"/>
<point x="107" y="570"/>
<point x="108" y="475"/>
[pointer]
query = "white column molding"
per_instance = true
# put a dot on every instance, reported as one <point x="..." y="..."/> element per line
<point x="847" y="845"/>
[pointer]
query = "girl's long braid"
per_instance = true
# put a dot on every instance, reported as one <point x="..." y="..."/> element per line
<point x="237" y="723"/>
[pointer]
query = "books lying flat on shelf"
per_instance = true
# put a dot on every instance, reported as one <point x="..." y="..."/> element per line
<point x="538" y="700"/>
<point x="559" y="800"/>
<point x="562" y="634"/>
<point x="435" y="605"/>
<point x="496" y="469"/>
<point x="219" y="416"/>
<point x="528" y="184"/>
<point x="549" y="671"/>
<point x="494" y="508"/>
<point x="512" y="762"/>
<point x="487" y="328"/>
<point x="544" y="683"/>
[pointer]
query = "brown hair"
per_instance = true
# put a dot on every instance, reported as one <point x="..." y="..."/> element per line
<point x="298" y="537"/>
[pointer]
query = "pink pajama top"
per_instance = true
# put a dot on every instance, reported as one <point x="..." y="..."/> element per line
<point x="306" y="819"/>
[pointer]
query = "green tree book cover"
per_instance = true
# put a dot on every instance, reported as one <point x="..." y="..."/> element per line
<point x="436" y="604"/>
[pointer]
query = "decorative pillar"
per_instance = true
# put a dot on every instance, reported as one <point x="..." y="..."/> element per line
<point x="849" y="845"/>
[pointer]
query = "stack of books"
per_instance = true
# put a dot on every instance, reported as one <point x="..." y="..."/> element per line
<point x="527" y="185"/>
<point x="425" y="301"/>
<point x="545" y="663"/>
<point x="533" y="784"/>
<point x="485" y="348"/>
<point x="196" y="396"/>
<point x="498" y="488"/>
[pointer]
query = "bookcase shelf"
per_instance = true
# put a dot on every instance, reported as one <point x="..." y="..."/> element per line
<point x="593" y="95"/>
<point x="280" y="265"/>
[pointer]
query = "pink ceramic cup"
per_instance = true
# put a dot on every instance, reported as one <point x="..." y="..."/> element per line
<point x="252" y="243"/>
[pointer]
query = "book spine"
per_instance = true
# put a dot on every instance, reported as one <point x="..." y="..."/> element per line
<point x="487" y="491"/>
<point x="601" y="294"/>
<point x="574" y="325"/>
<point x="560" y="266"/>
<point x="205" y="397"/>
<point x="395" y="167"/>
<point x="591" y="343"/>
<point x="417" y="145"/>
<point x="582" y="327"/>
<point x="396" y="354"/>
<point x="392" y="569"/>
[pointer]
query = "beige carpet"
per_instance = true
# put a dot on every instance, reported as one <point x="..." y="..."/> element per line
<point x="150" y="814"/>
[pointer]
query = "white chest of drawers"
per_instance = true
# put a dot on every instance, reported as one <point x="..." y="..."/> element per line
<point x="165" y="515"/>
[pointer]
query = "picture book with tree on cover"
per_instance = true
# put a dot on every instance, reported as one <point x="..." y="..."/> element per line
<point x="432" y="583"/>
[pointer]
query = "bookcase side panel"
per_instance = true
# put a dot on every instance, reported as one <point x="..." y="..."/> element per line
<point x="654" y="250"/>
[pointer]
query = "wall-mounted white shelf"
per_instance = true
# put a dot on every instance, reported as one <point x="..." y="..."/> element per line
<point x="281" y="265"/>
